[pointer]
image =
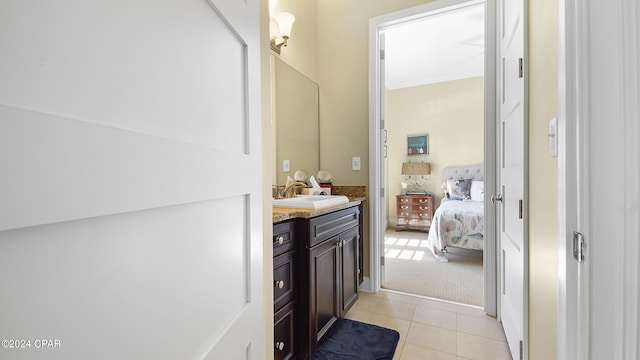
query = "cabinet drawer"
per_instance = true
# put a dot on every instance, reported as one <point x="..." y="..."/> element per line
<point x="283" y="237"/>
<point x="326" y="226"/>
<point x="284" y="282"/>
<point x="284" y="323"/>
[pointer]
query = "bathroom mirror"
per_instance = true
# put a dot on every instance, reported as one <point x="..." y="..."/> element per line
<point x="295" y="121"/>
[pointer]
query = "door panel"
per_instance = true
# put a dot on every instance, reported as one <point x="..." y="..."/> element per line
<point x="512" y="164"/>
<point x="324" y="285"/>
<point x="349" y="269"/>
<point x="112" y="141"/>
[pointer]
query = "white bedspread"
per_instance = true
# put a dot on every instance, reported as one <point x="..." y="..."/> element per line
<point x="459" y="224"/>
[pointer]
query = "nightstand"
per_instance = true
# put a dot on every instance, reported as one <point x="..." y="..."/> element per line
<point x="415" y="212"/>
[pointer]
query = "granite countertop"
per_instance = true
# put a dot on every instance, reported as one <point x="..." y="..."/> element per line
<point x="356" y="195"/>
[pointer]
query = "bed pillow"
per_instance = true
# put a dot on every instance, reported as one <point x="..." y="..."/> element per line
<point x="477" y="190"/>
<point x="459" y="189"/>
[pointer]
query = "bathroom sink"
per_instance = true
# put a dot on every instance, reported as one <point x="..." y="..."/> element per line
<point x="311" y="201"/>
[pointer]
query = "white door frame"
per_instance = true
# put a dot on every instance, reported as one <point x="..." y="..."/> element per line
<point x="599" y="84"/>
<point x="376" y="175"/>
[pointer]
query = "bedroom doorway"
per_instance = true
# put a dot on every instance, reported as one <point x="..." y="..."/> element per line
<point x="386" y="184"/>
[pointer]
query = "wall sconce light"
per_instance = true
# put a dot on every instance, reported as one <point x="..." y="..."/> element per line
<point x="279" y="27"/>
<point x="413" y="186"/>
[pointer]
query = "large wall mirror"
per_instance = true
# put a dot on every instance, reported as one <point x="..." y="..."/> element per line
<point x="295" y="120"/>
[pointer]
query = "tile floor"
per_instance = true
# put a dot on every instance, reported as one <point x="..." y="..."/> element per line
<point x="431" y="329"/>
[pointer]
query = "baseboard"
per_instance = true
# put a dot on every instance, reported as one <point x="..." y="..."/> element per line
<point x="366" y="285"/>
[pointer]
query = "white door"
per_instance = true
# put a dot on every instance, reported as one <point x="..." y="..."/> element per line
<point x="130" y="219"/>
<point x="512" y="162"/>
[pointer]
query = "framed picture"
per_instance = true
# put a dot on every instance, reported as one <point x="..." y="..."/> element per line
<point x="418" y="144"/>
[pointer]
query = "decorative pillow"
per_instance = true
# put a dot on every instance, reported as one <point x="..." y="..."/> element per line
<point x="459" y="189"/>
<point x="477" y="190"/>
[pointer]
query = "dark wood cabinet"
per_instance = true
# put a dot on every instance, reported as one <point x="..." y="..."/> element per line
<point x="415" y="212"/>
<point x="316" y="273"/>
<point x="332" y="265"/>
<point x="324" y="285"/>
<point x="285" y="291"/>
<point x="349" y="258"/>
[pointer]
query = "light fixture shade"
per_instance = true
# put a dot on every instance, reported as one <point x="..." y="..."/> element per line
<point x="272" y="6"/>
<point x="285" y="23"/>
<point x="416" y="168"/>
<point x="274" y="29"/>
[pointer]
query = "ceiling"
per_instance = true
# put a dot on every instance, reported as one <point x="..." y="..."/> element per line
<point x="443" y="47"/>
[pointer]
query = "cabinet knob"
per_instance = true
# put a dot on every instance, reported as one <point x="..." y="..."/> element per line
<point x="280" y="345"/>
<point x="404" y="207"/>
<point x="280" y="240"/>
<point x="424" y="208"/>
<point x="279" y="284"/>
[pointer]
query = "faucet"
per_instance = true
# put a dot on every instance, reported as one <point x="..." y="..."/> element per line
<point x="291" y="189"/>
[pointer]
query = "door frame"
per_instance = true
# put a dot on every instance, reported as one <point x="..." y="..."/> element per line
<point x="598" y="300"/>
<point x="377" y="189"/>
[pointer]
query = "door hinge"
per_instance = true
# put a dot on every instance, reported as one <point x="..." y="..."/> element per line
<point x="578" y="246"/>
<point x="520" y="215"/>
<point x="381" y="54"/>
<point x="521" y="350"/>
<point x="382" y="260"/>
<point x="521" y="67"/>
<point x="381" y="192"/>
<point x="382" y="124"/>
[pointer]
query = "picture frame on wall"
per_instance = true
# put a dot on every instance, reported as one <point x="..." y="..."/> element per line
<point x="418" y="144"/>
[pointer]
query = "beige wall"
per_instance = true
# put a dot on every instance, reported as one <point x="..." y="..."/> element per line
<point x="543" y="183"/>
<point x="301" y="53"/>
<point x="452" y="113"/>
<point x="343" y="76"/>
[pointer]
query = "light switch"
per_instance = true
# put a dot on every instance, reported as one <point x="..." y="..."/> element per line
<point x="553" y="137"/>
<point x="286" y="166"/>
<point x="355" y="163"/>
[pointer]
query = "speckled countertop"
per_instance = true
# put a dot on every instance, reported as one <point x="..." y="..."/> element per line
<point x="356" y="195"/>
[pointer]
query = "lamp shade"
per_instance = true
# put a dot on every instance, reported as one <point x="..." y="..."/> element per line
<point x="285" y="22"/>
<point x="416" y="168"/>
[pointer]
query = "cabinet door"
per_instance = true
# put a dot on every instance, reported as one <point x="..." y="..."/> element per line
<point x="283" y="332"/>
<point x="349" y="269"/>
<point x="324" y="281"/>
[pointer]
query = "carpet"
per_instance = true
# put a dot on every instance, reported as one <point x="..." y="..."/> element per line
<point x="411" y="268"/>
<point x="350" y="339"/>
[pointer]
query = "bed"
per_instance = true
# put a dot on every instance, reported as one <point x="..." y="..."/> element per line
<point x="459" y="220"/>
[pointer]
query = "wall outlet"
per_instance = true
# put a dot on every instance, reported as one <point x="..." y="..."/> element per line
<point x="355" y="163"/>
<point x="286" y="165"/>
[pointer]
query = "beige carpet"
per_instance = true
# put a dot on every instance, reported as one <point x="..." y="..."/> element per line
<point x="410" y="267"/>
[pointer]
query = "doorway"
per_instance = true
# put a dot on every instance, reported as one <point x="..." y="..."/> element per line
<point x="381" y="191"/>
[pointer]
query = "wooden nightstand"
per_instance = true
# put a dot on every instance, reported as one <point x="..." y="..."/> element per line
<point x="415" y="212"/>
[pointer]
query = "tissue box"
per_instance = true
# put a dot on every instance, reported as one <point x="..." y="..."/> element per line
<point x="316" y="191"/>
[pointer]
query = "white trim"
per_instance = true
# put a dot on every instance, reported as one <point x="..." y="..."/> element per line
<point x="630" y="15"/>
<point x="583" y="331"/>
<point x="573" y="179"/>
<point x="491" y="251"/>
<point x="376" y="177"/>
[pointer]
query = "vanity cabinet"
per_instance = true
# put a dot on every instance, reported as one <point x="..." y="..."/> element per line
<point x="331" y="266"/>
<point x="316" y="271"/>
<point x="285" y="290"/>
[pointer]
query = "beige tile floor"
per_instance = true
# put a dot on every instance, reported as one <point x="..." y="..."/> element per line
<point x="431" y="329"/>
